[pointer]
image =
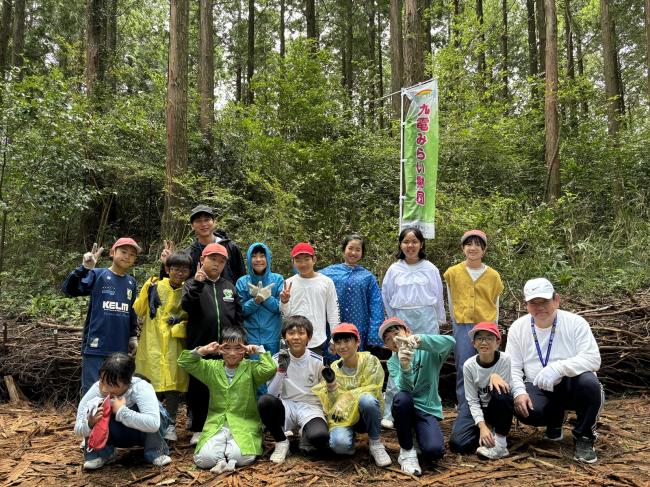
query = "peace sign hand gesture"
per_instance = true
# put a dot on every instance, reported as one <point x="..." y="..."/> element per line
<point x="90" y="259"/>
<point x="285" y="294"/>
<point x="166" y="251"/>
<point x="200" y="273"/>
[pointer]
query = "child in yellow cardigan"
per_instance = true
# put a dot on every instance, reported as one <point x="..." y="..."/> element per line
<point x="162" y="338"/>
<point x="473" y="290"/>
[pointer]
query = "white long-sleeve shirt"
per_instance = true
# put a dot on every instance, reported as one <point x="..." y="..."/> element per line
<point x="574" y="349"/>
<point x="140" y="393"/>
<point x="413" y="286"/>
<point x="315" y="299"/>
<point x="477" y="382"/>
<point x="295" y="384"/>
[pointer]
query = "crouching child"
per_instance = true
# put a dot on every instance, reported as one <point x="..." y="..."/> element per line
<point x="232" y="434"/>
<point x="415" y="367"/>
<point x="121" y="411"/>
<point x="351" y="395"/>
<point x="487" y="379"/>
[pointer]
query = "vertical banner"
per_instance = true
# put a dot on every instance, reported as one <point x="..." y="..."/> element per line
<point x="420" y="158"/>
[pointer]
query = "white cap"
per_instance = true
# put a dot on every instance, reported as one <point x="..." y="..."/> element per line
<point x="538" y="288"/>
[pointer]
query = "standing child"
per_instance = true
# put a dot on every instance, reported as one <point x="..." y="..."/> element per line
<point x="259" y="292"/>
<point x="290" y="403"/>
<point x="351" y="395"/>
<point x="415" y="367"/>
<point x="310" y="294"/>
<point x="232" y="433"/>
<point x="162" y="338"/>
<point x="111" y="323"/>
<point x="358" y="292"/>
<point x="473" y="290"/>
<point x="212" y="305"/>
<point x="487" y="388"/>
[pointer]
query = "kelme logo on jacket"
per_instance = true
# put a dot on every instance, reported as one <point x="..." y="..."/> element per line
<point x="115" y="306"/>
<point x="228" y="296"/>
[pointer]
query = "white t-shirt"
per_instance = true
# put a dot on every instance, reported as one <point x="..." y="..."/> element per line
<point x="295" y="384"/>
<point x="477" y="382"/>
<point x="574" y="349"/>
<point x="315" y="299"/>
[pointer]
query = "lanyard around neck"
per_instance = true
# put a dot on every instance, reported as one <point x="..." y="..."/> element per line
<point x="550" y="340"/>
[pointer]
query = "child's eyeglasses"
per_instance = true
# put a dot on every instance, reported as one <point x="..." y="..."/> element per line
<point x="485" y="339"/>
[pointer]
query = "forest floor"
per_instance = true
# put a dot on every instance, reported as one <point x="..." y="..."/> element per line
<point x="37" y="447"/>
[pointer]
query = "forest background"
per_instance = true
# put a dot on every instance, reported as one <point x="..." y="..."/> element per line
<point x="118" y="116"/>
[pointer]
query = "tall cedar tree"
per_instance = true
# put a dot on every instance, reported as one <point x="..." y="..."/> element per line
<point x="206" y="70"/>
<point x="19" y="34"/>
<point x="250" y="64"/>
<point x="552" y="145"/>
<point x="413" y="45"/>
<point x="396" y="57"/>
<point x="647" y="43"/>
<point x="5" y="31"/>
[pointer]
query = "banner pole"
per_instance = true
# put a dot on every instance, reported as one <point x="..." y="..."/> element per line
<point x="401" y="159"/>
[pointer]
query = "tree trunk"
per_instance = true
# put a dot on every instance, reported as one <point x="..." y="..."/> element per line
<point x="570" y="65"/>
<point x="413" y="55"/>
<point x="504" y="50"/>
<point x="584" y="105"/>
<point x="95" y="48"/>
<point x="310" y="18"/>
<point x="206" y="70"/>
<point x="647" y="43"/>
<point x="177" y="72"/>
<point x="19" y="34"/>
<point x="110" y="33"/>
<point x="380" y="71"/>
<point x="5" y="31"/>
<point x="372" y="38"/>
<point x="282" y="29"/>
<point x="396" y="59"/>
<point x="455" y="32"/>
<point x="428" y="41"/>
<point x="238" y="60"/>
<point x="250" y="65"/>
<point x="348" y="47"/>
<point x="612" y="89"/>
<point x="552" y="145"/>
<point x="541" y="31"/>
<point x="532" y="40"/>
<point x="481" y="63"/>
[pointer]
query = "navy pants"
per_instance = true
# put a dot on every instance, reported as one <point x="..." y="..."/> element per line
<point x="427" y="430"/>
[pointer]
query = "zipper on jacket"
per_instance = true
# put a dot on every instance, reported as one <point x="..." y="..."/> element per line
<point x="216" y="304"/>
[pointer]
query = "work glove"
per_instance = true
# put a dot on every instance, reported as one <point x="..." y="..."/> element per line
<point x="173" y="320"/>
<point x="253" y="290"/>
<point x="405" y="355"/>
<point x="548" y="377"/>
<point x="154" y="300"/>
<point x="89" y="260"/>
<point x="133" y="345"/>
<point x="264" y="292"/>
<point x="411" y="341"/>
<point x="328" y="374"/>
<point x="284" y="358"/>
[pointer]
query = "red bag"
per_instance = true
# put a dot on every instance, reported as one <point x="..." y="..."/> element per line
<point x="99" y="434"/>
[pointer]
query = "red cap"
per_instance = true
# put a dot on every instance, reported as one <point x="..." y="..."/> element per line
<point x="485" y="326"/>
<point x="393" y="321"/>
<point x="124" y="241"/>
<point x="214" y="248"/>
<point x="346" y="328"/>
<point x="473" y="233"/>
<point x="302" y="248"/>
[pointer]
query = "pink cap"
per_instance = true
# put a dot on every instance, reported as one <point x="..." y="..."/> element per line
<point x="346" y="328"/>
<point x="214" y="248"/>
<point x="473" y="233"/>
<point x="394" y="321"/>
<point x="124" y="241"/>
<point x="485" y="326"/>
<point x="302" y="248"/>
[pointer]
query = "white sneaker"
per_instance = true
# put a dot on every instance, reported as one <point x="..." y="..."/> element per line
<point x="162" y="460"/>
<point x="98" y="462"/>
<point x="170" y="433"/>
<point x="280" y="451"/>
<point x="219" y="467"/>
<point x="408" y="460"/>
<point x="195" y="438"/>
<point x="378" y="452"/>
<point x="388" y="424"/>
<point x="493" y="452"/>
<point x="230" y="466"/>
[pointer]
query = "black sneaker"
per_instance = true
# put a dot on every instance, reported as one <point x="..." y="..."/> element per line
<point x="554" y="433"/>
<point x="584" y="450"/>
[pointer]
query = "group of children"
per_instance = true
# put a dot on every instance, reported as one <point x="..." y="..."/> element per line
<point x="249" y="351"/>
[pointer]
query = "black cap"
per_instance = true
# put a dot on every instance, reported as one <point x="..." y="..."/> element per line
<point x="200" y="209"/>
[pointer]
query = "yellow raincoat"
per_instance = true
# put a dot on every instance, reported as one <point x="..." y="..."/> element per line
<point x="161" y="344"/>
<point x="342" y="404"/>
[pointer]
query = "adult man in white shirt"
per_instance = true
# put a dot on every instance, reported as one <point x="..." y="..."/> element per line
<point x="554" y="360"/>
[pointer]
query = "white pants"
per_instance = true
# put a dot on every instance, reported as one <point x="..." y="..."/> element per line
<point x="221" y="446"/>
<point x="298" y="414"/>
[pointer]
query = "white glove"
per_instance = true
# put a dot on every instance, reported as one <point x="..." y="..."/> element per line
<point x="265" y="292"/>
<point x="253" y="290"/>
<point x="405" y="355"/>
<point x="256" y="349"/>
<point x="411" y="341"/>
<point x="547" y="378"/>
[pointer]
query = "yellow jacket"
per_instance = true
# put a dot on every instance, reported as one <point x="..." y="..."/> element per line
<point x="160" y="343"/>
<point x="473" y="301"/>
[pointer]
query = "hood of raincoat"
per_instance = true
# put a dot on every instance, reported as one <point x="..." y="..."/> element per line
<point x="249" y="259"/>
